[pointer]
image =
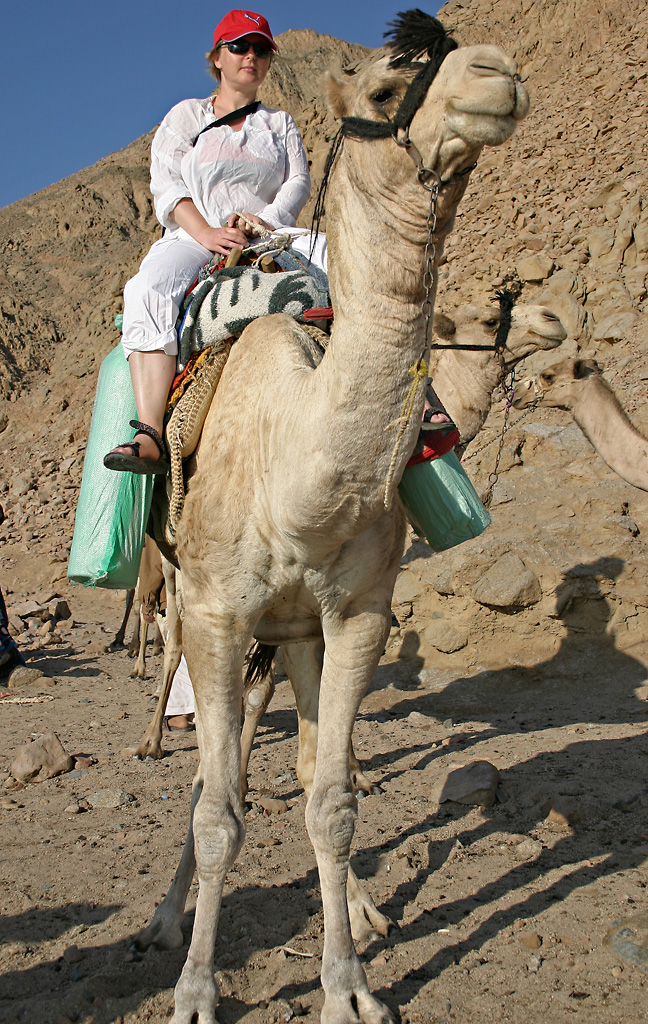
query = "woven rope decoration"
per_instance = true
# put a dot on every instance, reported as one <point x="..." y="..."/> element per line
<point x="185" y="424"/>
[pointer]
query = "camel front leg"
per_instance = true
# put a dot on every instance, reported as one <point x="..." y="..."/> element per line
<point x="303" y="664"/>
<point x="215" y="661"/>
<point x="151" y="743"/>
<point x="353" y="649"/>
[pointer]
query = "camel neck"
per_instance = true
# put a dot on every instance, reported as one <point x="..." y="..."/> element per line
<point x="376" y="263"/>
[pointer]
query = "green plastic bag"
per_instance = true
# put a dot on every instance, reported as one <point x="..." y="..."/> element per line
<point x="113" y="508"/>
<point x="441" y="503"/>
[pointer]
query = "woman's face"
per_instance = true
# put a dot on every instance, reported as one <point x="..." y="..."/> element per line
<point x="244" y="72"/>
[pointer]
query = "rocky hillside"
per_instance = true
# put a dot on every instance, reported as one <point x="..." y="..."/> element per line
<point x="563" y="206"/>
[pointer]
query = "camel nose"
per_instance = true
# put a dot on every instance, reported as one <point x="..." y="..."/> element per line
<point x="490" y="68"/>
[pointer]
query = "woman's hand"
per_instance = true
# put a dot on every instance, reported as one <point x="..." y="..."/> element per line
<point x="220" y="240"/>
<point x="223" y="240"/>
<point x="236" y="221"/>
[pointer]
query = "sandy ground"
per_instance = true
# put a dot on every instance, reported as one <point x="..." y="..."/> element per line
<point x="500" y="914"/>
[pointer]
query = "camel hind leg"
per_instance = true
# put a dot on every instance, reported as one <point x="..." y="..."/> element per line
<point x="151" y="743"/>
<point x="256" y="698"/>
<point x="351" y="657"/>
<point x="121" y="632"/>
<point x="165" y="930"/>
<point x="304" y="667"/>
<point x="139" y="669"/>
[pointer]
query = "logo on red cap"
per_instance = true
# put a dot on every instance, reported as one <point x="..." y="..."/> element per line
<point x="237" y="23"/>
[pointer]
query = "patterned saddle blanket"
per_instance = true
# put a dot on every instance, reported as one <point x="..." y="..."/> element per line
<point x="226" y="301"/>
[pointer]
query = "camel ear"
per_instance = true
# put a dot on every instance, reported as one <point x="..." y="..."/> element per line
<point x="444" y="326"/>
<point x="338" y="93"/>
<point x="585" y="367"/>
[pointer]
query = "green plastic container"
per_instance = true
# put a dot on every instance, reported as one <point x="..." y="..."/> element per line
<point x="441" y="503"/>
<point x="113" y="508"/>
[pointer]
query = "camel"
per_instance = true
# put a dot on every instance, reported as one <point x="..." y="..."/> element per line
<point x="151" y="602"/>
<point x="464" y="380"/>
<point x="579" y="386"/>
<point x="292" y="531"/>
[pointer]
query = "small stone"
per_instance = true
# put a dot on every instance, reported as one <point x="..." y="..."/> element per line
<point x="108" y="799"/>
<point x="528" y="849"/>
<point x="43" y="758"/>
<point x="508" y="584"/>
<point x="272" y="805"/>
<point x="72" y="955"/>
<point x="59" y="609"/>
<point x="10" y="805"/>
<point x="73" y="809"/>
<point x="23" y="675"/>
<point x="82" y="763"/>
<point x="378" y="961"/>
<point x="617" y="972"/>
<point x="531" y="940"/>
<point x="476" y="784"/>
<point x="20" y="485"/>
<point x="445" y="637"/>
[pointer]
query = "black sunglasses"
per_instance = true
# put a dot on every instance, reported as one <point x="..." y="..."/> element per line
<point x="242" y="46"/>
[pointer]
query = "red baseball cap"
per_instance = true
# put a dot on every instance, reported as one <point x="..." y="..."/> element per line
<point x="242" y="23"/>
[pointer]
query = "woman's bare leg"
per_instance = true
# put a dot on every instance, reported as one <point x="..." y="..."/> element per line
<point x="152" y="374"/>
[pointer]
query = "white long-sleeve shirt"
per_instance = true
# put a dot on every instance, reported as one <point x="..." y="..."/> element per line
<point x="261" y="168"/>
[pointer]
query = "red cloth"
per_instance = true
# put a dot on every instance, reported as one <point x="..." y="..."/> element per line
<point x="440" y="445"/>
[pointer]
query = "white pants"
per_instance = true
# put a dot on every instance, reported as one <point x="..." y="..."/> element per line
<point x="181" y="698"/>
<point x="152" y="298"/>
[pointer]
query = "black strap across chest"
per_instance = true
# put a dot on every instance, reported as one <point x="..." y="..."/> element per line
<point x="234" y="115"/>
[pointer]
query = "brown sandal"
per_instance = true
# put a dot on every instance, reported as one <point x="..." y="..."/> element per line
<point x="134" y="463"/>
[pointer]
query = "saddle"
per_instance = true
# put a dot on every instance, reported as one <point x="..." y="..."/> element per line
<point x="214" y="313"/>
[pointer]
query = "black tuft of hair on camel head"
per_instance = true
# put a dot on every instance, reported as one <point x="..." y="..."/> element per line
<point x="413" y="34"/>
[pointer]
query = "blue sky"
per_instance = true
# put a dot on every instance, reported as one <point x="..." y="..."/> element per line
<point x="80" y="80"/>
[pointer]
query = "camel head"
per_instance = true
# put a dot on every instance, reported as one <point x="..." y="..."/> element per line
<point x="475" y="99"/>
<point x="532" y="328"/>
<point x="558" y="385"/>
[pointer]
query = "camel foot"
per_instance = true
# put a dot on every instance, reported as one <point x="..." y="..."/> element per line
<point x="366" y="920"/>
<point x="138" y="672"/>
<point x="195" y="995"/>
<point x="116" y="645"/>
<point x="363" y="786"/>
<point x="149" y="747"/>
<point x="164" y="932"/>
<point x="339" y="1010"/>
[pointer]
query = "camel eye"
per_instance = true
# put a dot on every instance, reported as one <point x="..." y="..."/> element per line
<point x="383" y="96"/>
<point x="548" y="378"/>
<point x="492" y="323"/>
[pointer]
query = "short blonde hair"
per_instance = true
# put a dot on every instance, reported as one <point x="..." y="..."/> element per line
<point x="211" y="67"/>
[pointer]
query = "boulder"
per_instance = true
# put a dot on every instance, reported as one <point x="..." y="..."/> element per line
<point x="614" y="327"/>
<point x="507" y="584"/>
<point x="535" y="268"/>
<point x="447" y="637"/>
<point x="43" y="758"/>
<point x="475" y="784"/>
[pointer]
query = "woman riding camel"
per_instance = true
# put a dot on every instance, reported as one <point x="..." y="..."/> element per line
<point x="205" y="164"/>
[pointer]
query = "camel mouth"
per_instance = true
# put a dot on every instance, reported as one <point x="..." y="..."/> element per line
<point x="491" y="99"/>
